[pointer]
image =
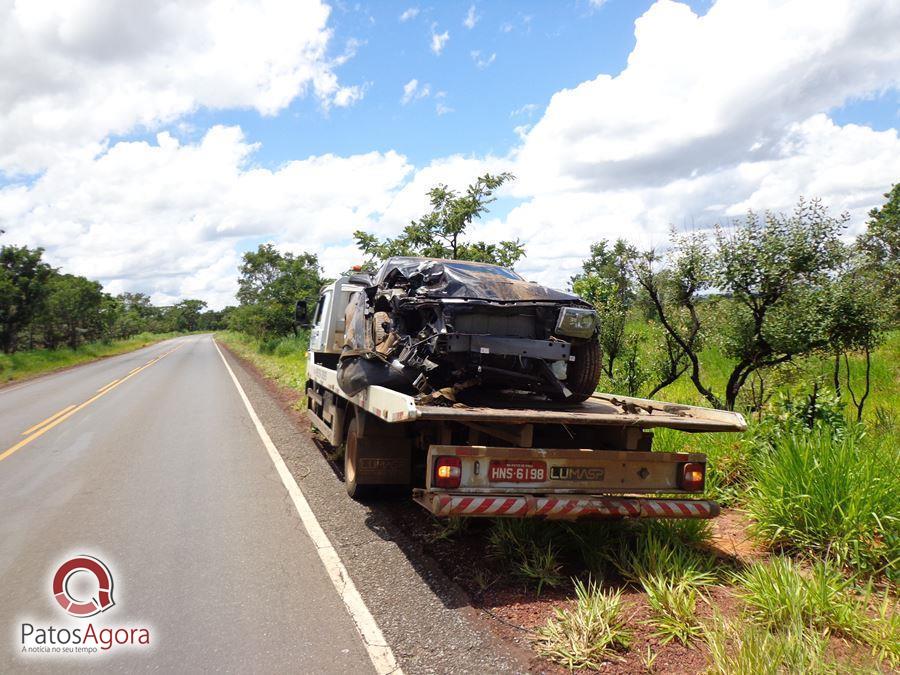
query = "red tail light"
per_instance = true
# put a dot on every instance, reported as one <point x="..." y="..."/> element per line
<point x="692" y="476"/>
<point x="447" y="472"/>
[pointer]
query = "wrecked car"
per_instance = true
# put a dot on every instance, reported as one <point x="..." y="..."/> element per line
<point x="438" y="328"/>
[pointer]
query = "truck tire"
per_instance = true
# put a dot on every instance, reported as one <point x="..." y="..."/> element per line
<point x="584" y="371"/>
<point x="351" y="463"/>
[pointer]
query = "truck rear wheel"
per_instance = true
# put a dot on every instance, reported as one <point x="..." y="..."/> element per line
<point x="584" y="371"/>
<point x="351" y="464"/>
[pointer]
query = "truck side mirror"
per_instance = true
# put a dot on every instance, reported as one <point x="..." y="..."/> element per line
<point x="301" y="314"/>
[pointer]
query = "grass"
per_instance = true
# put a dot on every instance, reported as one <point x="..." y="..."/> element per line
<point x="736" y="648"/>
<point x="780" y="595"/>
<point x="674" y="607"/>
<point x="667" y="549"/>
<point x="838" y="497"/>
<point x="280" y="359"/>
<point x="31" y="363"/>
<point x="785" y="597"/>
<point x="589" y="633"/>
<point x="527" y="547"/>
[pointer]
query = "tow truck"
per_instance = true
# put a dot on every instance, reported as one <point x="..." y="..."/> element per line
<point x="515" y="457"/>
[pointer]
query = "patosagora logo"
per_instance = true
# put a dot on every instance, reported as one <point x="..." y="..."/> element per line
<point x="82" y="587"/>
<point x="77" y="606"/>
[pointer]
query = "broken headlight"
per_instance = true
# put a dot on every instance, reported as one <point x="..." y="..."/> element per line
<point x="576" y="322"/>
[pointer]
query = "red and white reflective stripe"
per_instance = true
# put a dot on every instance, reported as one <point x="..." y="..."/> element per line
<point x="676" y="508"/>
<point x="446" y="505"/>
<point x="570" y="507"/>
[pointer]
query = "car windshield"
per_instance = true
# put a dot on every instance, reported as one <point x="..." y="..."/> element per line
<point x="483" y="269"/>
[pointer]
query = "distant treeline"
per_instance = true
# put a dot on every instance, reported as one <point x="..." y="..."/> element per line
<point x="42" y="307"/>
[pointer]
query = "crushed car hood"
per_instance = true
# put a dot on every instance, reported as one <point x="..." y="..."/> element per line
<point x="429" y="278"/>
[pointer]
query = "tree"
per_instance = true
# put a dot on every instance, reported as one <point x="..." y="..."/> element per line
<point x="880" y="246"/>
<point x="857" y="318"/>
<point x="187" y="314"/>
<point x="605" y="282"/>
<point x="73" y="307"/>
<point x="776" y="268"/>
<point x="439" y="233"/>
<point x="773" y="271"/>
<point x="675" y="292"/>
<point x="23" y="278"/>
<point x="270" y="285"/>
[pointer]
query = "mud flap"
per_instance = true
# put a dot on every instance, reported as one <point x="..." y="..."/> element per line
<point x="384" y="453"/>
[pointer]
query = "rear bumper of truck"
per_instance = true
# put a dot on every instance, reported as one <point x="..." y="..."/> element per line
<point x="560" y="507"/>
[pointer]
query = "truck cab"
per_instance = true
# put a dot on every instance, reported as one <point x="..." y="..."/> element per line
<point x="326" y="335"/>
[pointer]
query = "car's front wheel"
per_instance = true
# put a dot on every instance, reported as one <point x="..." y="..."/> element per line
<point x="584" y="372"/>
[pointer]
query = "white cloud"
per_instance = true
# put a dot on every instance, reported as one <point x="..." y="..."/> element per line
<point x="442" y="108"/>
<point x="172" y="219"/>
<point x="681" y="138"/>
<point x="675" y="109"/>
<point x="471" y="18"/>
<point x="482" y="62"/>
<point x="527" y="110"/>
<point x="71" y="74"/>
<point x="412" y="91"/>
<point x="410" y="13"/>
<point x="438" y="40"/>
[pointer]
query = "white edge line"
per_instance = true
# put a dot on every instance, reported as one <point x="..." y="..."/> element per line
<point x="379" y="652"/>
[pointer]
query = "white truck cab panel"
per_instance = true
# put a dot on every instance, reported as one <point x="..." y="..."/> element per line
<point x="327" y="332"/>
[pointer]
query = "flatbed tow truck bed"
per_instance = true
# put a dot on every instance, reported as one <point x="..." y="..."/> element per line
<point x="600" y="409"/>
<point x="498" y="471"/>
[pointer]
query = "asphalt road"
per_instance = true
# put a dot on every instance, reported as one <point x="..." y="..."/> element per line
<point x="163" y="476"/>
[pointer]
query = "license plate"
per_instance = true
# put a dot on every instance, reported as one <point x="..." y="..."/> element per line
<point x="507" y="471"/>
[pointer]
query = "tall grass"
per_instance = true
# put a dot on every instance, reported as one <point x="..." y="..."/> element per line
<point x="790" y="599"/>
<point x="739" y="649"/>
<point x="33" y="362"/>
<point x="838" y="497"/>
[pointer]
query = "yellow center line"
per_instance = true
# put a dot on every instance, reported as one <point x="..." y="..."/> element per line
<point x="48" y="425"/>
<point x="107" y="386"/>
<point x="48" y="420"/>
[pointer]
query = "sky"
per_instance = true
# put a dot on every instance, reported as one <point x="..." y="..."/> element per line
<point x="149" y="144"/>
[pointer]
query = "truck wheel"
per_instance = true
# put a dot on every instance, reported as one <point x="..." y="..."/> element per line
<point x="351" y="462"/>
<point x="584" y="371"/>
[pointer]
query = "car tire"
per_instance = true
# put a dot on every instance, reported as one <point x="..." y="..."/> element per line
<point x="584" y="372"/>
<point x="378" y="332"/>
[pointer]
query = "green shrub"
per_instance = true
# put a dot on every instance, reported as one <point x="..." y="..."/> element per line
<point x="592" y="631"/>
<point x="839" y="497"/>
